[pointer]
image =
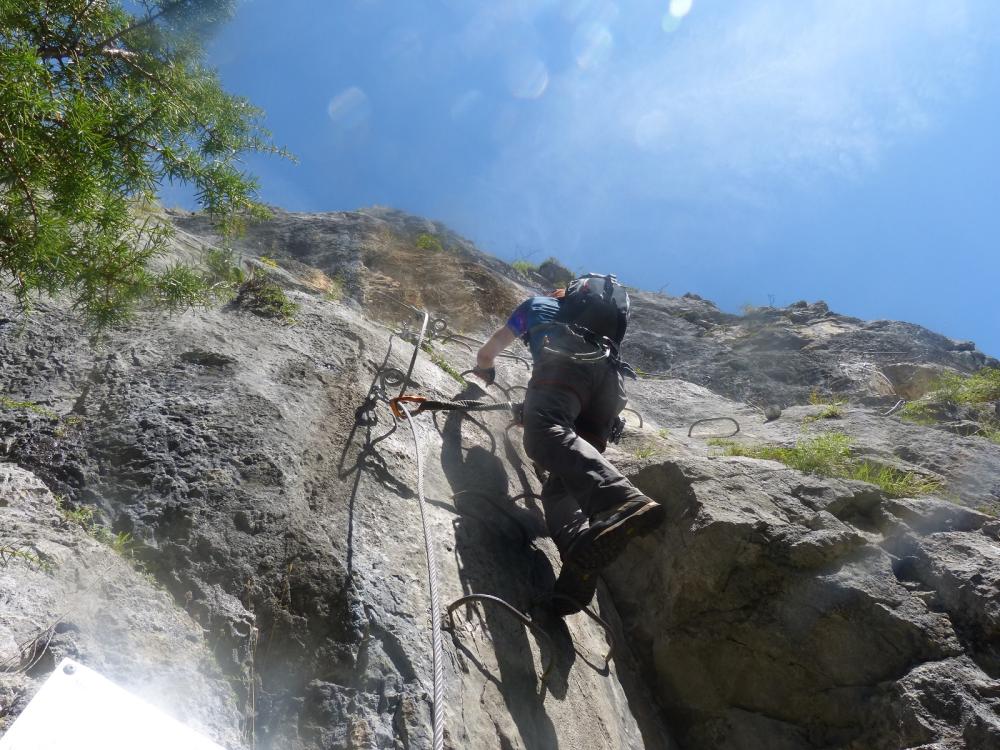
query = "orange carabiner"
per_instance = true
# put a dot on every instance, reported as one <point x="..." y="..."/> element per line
<point x="397" y="410"/>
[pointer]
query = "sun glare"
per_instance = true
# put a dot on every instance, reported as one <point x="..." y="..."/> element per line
<point x="680" y="8"/>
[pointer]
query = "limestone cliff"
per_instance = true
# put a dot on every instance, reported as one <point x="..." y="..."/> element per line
<point x="276" y="595"/>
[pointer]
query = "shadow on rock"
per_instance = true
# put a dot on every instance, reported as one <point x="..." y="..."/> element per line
<point x="494" y="556"/>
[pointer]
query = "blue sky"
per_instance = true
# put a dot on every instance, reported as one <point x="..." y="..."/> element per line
<point x="844" y="150"/>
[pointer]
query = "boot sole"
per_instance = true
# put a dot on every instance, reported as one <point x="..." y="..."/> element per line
<point x="573" y="591"/>
<point x="605" y="547"/>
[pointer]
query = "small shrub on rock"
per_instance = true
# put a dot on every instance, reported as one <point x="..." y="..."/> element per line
<point x="263" y="297"/>
<point x="524" y="267"/>
<point x="430" y="243"/>
<point x="974" y="394"/>
<point x="555" y="272"/>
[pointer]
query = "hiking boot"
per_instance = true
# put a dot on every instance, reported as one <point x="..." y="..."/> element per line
<point x="574" y="589"/>
<point x="610" y="531"/>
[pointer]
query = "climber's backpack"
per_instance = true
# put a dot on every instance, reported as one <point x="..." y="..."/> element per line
<point x="598" y="303"/>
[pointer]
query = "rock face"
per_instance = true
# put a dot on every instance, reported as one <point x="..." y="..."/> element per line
<point x="246" y="459"/>
<point x="65" y="594"/>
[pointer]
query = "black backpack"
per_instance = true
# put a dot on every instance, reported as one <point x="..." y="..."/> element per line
<point x="598" y="303"/>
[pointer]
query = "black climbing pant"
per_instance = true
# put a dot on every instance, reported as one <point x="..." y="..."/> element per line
<point x="570" y="408"/>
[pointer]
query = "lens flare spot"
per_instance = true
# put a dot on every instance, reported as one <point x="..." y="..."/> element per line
<point x="680" y="8"/>
<point x="349" y="109"/>
<point x="592" y="46"/>
<point x="527" y="78"/>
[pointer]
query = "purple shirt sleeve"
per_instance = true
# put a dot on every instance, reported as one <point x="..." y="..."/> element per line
<point x="518" y="320"/>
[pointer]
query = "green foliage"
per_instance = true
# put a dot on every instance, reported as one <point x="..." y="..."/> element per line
<point x="829" y="455"/>
<point x="98" y="108"/>
<point x="443" y="363"/>
<point x="524" y="267"/>
<point x="8" y="403"/>
<point x="12" y="552"/>
<point x="269" y="262"/>
<point x="830" y="410"/>
<point x="86" y="518"/>
<point x="263" y="297"/>
<point x="555" y="272"/>
<point x="336" y="291"/>
<point x="977" y="388"/>
<point x="179" y="286"/>
<point x="71" y="422"/>
<point x="222" y="275"/>
<point x="918" y="412"/>
<point x="893" y="481"/>
<point x="221" y="267"/>
<point x="430" y="243"/>
<point x="663" y="433"/>
<point x="991" y="432"/>
<point x="977" y="391"/>
<point x="644" y="451"/>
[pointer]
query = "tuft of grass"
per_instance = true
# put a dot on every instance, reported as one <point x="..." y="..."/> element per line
<point x="265" y="298"/>
<point x="826" y="455"/>
<point x="830" y="455"/>
<point x="991" y="432"/>
<point x="66" y="424"/>
<point x="443" y="363"/>
<point x="644" y="451"/>
<point x="977" y="390"/>
<point x="893" y="481"/>
<point x="829" y="411"/>
<point x="663" y="433"/>
<point x="11" y="552"/>
<point x="335" y="292"/>
<point x="85" y="517"/>
<point x="9" y="403"/>
<point x="919" y="412"/>
<point x="222" y="271"/>
<point x="269" y="262"/>
<point x="430" y="243"/>
<point x="524" y="266"/>
<point x="832" y="407"/>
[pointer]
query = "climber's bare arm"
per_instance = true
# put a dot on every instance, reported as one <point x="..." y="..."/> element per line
<point x="499" y="341"/>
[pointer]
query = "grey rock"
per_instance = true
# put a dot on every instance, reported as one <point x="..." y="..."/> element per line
<point x="67" y="595"/>
<point x="775" y="611"/>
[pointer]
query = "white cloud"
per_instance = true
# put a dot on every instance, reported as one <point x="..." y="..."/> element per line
<point x="786" y="91"/>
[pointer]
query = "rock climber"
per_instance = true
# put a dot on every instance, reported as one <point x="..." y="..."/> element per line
<point x="571" y="410"/>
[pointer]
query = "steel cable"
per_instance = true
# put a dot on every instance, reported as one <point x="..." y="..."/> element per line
<point x="437" y="651"/>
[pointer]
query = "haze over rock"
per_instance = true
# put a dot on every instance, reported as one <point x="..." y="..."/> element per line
<point x="775" y="609"/>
